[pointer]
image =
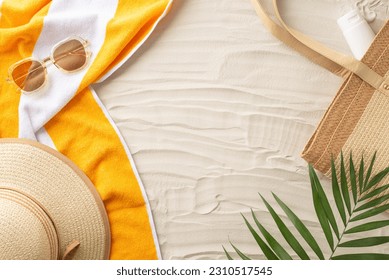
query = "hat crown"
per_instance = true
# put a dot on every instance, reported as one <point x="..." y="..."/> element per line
<point x="49" y="209"/>
<point x="28" y="231"/>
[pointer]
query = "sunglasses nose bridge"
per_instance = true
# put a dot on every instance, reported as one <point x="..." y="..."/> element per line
<point x="47" y="60"/>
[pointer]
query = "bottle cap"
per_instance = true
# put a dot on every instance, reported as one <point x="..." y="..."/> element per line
<point x="357" y="32"/>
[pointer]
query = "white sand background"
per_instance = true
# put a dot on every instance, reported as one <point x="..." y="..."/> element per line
<point x="215" y="110"/>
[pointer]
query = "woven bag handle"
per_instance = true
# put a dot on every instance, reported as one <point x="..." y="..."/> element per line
<point x="335" y="62"/>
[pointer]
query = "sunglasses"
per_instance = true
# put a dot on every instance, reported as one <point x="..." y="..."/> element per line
<point x="69" y="55"/>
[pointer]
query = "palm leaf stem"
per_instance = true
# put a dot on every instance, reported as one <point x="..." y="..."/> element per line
<point x="346" y="225"/>
<point x="343" y="232"/>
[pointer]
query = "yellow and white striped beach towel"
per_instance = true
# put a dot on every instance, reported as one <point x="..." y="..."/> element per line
<point x="67" y="115"/>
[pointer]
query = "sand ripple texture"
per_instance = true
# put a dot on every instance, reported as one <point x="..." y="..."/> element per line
<point x="215" y="110"/>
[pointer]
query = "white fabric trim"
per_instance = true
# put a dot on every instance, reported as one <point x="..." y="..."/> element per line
<point x="109" y="73"/>
<point x="130" y="158"/>
<point x="43" y="137"/>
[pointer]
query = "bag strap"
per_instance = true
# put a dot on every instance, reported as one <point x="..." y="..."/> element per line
<point x="284" y="36"/>
<point x="335" y="62"/>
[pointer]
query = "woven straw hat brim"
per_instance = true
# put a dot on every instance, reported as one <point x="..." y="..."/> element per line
<point x="64" y="191"/>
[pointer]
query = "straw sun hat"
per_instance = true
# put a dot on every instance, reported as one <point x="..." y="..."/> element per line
<point x="48" y="208"/>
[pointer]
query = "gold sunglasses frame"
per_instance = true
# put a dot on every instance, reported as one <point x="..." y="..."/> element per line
<point x="50" y="60"/>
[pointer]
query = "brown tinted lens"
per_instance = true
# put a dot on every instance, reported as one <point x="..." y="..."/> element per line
<point x="70" y="55"/>
<point x="29" y="76"/>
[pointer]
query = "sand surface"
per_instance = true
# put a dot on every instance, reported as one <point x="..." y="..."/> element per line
<point x="215" y="110"/>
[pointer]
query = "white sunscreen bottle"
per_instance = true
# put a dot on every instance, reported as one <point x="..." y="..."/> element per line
<point x="357" y="33"/>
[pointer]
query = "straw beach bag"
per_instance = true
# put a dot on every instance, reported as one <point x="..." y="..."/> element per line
<point x="357" y="120"/>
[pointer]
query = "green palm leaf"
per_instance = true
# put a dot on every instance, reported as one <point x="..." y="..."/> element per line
<point x="371" y="213"/>
<point x="324" y="201"/>
<point x="353" y="180"/>
<point x="362" y="257"/>
<point x="274" y="245"/>
<point x="302" y="229"/>
<point x="227" y="254"/>
<point x="377" y="178"/>
<point x="368" y="226"/>
<point x="368" y="174"/>
<point x="337" y="195"/>
<point x="366" y="242"/>
<point x="373" y="203"/>
<point x="265" y="249"/>
<point x="323" y="220"/>
<point x="343" y="185"/>
<point x="289" y="237"/>
<point x="240" y="254"/>
<point x="361" y="175"/>
<point x="361" y="192"/>
<point x="375" y="192"/>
